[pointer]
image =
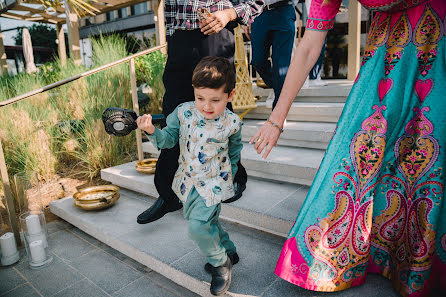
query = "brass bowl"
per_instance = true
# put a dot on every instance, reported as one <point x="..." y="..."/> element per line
<point x="147" y="165"/>
<point x="96" y="197"/>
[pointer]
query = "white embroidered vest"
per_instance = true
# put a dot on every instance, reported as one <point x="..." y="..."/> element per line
<point x="204" y="160"/>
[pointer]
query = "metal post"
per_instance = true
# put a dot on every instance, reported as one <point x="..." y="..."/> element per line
<point x="135" y="107"/>
<point x="9" y="199"/>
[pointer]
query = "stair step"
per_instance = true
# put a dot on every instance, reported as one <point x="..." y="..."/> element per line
<point x="335" y="91"/>
<point x="296" y="134"/>
<point x="164" y="247"/>
<point x="265" y="205"/>
<point x="301" y="111"/>
<point x="284" y="164"/>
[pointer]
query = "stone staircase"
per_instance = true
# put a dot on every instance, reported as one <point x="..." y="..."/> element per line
<point x="257" y="223"/>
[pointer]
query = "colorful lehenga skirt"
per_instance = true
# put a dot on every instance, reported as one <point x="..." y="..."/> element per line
<point x="377" y="203"/>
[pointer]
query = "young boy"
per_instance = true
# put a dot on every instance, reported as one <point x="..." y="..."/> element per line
<point x="210" y="143"/>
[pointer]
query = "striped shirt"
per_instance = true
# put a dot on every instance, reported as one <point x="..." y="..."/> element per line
<point x="182" y="14"/>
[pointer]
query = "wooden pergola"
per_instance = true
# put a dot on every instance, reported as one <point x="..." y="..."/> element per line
<point x="32" y="10"/>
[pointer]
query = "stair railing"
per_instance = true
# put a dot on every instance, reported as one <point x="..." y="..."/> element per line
<point x="3" y="169"/>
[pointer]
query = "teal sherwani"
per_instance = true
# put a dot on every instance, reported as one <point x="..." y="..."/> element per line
<point x="209" y="152"/>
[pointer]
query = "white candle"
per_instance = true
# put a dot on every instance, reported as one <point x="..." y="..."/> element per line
<point x="40" y="236"/>
<point x="33" y="224"/>
<point x="37" y="251"/>
<point x="7" y="244"/>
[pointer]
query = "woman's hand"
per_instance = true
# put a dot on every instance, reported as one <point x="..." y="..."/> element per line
<point x="144" y="123"/>
<point x="305" y="56"/>
<point x="217" y="21"/>
<point x="265" y="138"/>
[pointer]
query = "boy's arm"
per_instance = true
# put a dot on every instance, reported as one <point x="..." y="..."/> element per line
<point x="235" y="147"/>
<point x="167" y="137"/>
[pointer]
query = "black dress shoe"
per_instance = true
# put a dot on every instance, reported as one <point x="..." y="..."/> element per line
<point x="156" y="211"/>
<point x="238" y="189"/>
<point x="233" y="257"/>
<point x="221" y="278"/>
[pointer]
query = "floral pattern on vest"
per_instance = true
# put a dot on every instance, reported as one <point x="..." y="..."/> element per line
<point x="204" y="159"/>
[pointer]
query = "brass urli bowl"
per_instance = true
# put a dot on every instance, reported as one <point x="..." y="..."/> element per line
<point x="96" y="197"/>
<point x="147" y="165"/>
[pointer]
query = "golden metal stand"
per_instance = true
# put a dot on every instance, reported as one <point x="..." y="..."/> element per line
<point x="243" y="97"/>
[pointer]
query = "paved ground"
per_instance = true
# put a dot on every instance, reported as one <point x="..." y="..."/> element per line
<point x="83" y="266"/>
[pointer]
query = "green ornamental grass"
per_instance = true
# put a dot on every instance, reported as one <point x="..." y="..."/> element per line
<point x="60" y="131"/>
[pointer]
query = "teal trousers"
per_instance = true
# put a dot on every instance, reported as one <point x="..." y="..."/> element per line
<point x="205" y="229"/>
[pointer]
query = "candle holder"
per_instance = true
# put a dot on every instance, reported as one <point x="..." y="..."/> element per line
<point x="34" y="234"/>
<point x="27" y="192"/>
<point x="8" y="247"/>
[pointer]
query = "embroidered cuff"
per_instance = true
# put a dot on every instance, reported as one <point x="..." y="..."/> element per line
<point x="320" y="25"/>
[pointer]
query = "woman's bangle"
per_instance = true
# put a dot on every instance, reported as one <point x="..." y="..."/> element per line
<point x="275" y="125"/>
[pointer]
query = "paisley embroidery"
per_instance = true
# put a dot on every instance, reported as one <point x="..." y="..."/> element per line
<point x="406" y="190"/>
<point x="402" y="230"/>
<point x="399" y="37"/>
<point x="377" y="37"/>
<point x="427" y="34"/>
<point x="341" y="241"/>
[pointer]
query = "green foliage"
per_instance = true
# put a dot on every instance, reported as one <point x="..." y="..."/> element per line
<point x="41" y="35"/>
<point x="149" y="70"/>
<point x="61" y="129"/>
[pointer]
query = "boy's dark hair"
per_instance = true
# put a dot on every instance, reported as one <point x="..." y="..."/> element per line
<point x="214" y="73"/>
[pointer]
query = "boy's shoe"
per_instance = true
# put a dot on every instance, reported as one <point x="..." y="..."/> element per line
<point x="221" y="278"/>
<point x="233" y="257"/>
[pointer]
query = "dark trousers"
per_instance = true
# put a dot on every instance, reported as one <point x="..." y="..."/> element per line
<point x="273" y="29"/>
<point x="185" y="50"/>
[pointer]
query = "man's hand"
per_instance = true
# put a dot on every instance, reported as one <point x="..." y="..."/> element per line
<point x="144" y="123"/>
<point x="217" y="21"/>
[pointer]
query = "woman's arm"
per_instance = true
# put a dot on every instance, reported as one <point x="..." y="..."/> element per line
<point x="305" y="56"/>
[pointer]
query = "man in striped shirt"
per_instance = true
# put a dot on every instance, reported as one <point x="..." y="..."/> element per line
<point x="192" y="36"/>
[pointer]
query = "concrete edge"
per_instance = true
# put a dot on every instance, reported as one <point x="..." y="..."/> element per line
<point x="199" y="287"/>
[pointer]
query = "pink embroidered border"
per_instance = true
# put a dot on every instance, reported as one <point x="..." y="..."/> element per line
<point x="320" y="25"/>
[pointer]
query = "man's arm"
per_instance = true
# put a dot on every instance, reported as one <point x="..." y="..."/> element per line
<point x="242" y="11"/>
<point x="170" y="7"/>
<point x="247" y="10"/>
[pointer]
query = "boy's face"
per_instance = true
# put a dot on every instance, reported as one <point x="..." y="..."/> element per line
<point x="212" y="102"/>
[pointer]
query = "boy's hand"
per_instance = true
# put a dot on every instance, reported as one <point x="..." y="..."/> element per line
<point x="217" y="21"/>
<point x="144" y="123"/>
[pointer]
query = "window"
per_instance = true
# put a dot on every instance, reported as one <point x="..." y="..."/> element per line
<point x="140" y="8"/>
<point x="111" y="16"/>
<point x="122" y="13"/>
